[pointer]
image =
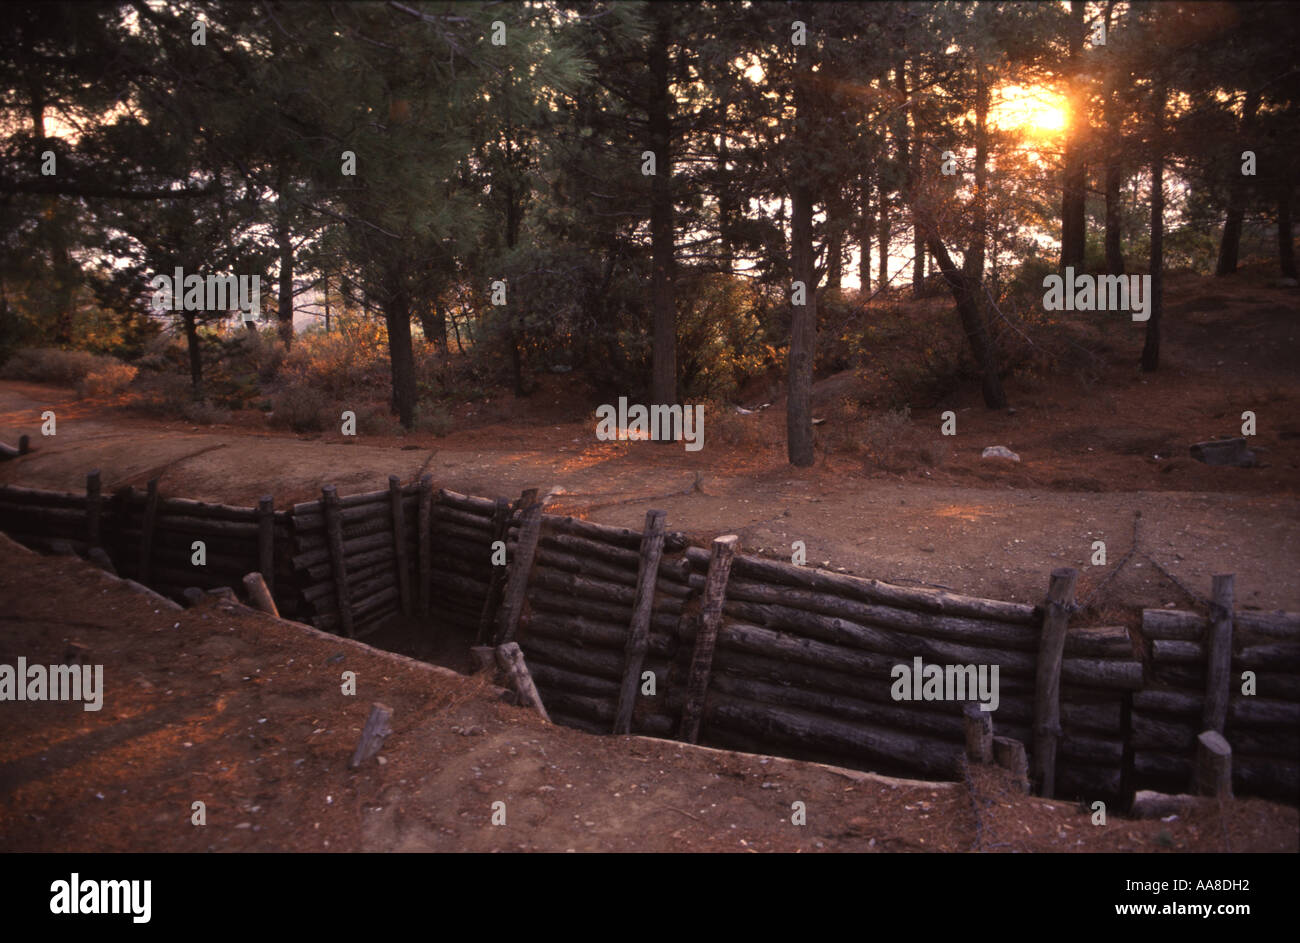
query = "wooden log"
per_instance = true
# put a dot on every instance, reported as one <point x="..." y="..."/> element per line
<point x="1010" y="755"/>
<point x="814" y="607"/>
<point x="596" y="662"/>
<point x="260" y="594"/>
<point x="715" y="587"/>
<point x="155" y="597"/>
<point x="147" y="533"/>
<point x="1149" y="804"/>
<point x="1213" y="776"/>
<point x="511" y="660"/>
<point x="334" y="532"/>
<point x="1177" y="652"/>
<point x="512" y="602"/>
<point x="1047" y="702"/>
<point x="186" y="507"/>
<point x="482" y="506"/>
<point x="1218" y="673"/>
<point x="599" y="569"/>
<point x="652" y="546"/>
<point x="17" y="494"/>
<point x="580" y="630"/>
<point x="1102" y="673"/>
<point x="874" y="591"/>
<point x="599" y="590"/>
<point x="477" y="539"/>
<point x="544" y="601"/>
<point x="424" y="544"/>
<point x="37" y="513"/>
<point x="979" y="733"/>
<point x="786" y="725"/>
<point x="266" y="541"/>
<point x="1110" y="641"/>
<point x="466" y="519"/>
<point x="1284" y="625"/>
<point x="403" y="565"/>
<point x="548" y="676"/>
<point x="372" y="735"/>
<point x="1172" y="624"/>
<point x="382" y="554"/>
<point x="311" y="559"/>
<point x="94" y="508"/>
<point x="1089" y="781"/>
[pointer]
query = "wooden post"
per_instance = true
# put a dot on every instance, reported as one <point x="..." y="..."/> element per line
<point x="1213" y="775"/>
<point x="424" y="544"/>
<point x="94" y="507"/>
<point x="266" y="541"/>
<point x="979" y="733"/>
<point x="259" y="594"/>
<point x="1047" y="684"/>
<point x="338" y="565"/>
<point x="1009" y="753"/>
<point x="706" y="635"/>
<point x="373" y="734"/>
<point x="511" y="659"/>
<point x="24" y="445"/>
<point x="402" y="561"/>
<point x="1218" y="654"/>
<point x="487" y="618"/>
<point x="652" y="548"/>
<point x="146" y="531"/>
<point x="512" y="605"/>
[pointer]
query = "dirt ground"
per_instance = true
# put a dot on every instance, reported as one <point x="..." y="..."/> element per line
<point x="226" y="707"/>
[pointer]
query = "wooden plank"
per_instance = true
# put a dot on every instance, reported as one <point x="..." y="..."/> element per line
<point x="147" y="531"/>
<point x="1047" y="686"/>
<point x="378" y="726"/>
<point x="1218" y="673"/>
<point x="1172" y="624"/>
<point x="652" y="547"/>
<point x="512" y="603"/>
<point x="511" y="660"/>
<point x="334" y="535"/>
<point x="260" y="594"/>
<point x="706" y="637"/>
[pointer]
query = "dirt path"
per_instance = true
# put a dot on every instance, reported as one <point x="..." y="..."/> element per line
<point x="987" y="531"/>
<point x="248" y="717"/>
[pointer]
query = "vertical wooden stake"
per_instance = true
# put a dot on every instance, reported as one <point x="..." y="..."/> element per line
<point x="266" y="541"/>
<point x="1218" y="654"/>
<point x="146" y="534"/>
<point x="521" y="568"/>
<point x="1047" y="684"/>
<point x="403" y="559"/>
<point x="1009" y="754"/>
<point x="706" y="636"/>
<point x="260" y="594"/>
<point x="487" y="618"/>
<point x="1213" y="775"/>
<point x="424" y="544"/>
<point x="511" y="659"/>
<point x="94" y="507"/>
<point x="334" y="538"/>
<point x="24" y="444"/>
<point x="652" y="548"/>
<point x="373" y="734"/>
<point x="979" y="733"/>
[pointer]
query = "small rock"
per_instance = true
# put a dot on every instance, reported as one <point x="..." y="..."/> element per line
<point x="999" y="451"/>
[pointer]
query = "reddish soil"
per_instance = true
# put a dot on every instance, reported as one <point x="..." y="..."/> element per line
<point x="245" y="714"/>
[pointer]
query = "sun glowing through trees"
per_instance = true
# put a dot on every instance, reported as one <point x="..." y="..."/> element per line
<point x="1033" y="112"/>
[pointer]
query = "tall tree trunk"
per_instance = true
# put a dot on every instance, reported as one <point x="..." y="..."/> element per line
<point x="284" y="249"/>
<point x="1230" y="244"/>
<point x="663" y="387"/>
<point x="834" y="246"/>
<point x="979" y="207"/>
<point x="433" y="321"/>
<point x="1073" y="219"/>
<point x="803" y="318"/>
<point x="1285" y="238"/>
<point x="965" y="292"/>
<point x="728" y="205"/>
<point x="190" y="320"/>
<point x="882" y="234"/>
<point x="1151" y="349"/>
<point x="1114" y="171"/>
<point x="397" y="318"/>
<point x="326" y="279"/>
<point x="864" y="239"/>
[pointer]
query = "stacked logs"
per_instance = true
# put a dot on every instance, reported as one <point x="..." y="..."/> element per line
<point x="39" y="518"/>
<point x="464" y="528"/>
<point x="1263" y="728"/>
<point x="358" y="558"/>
